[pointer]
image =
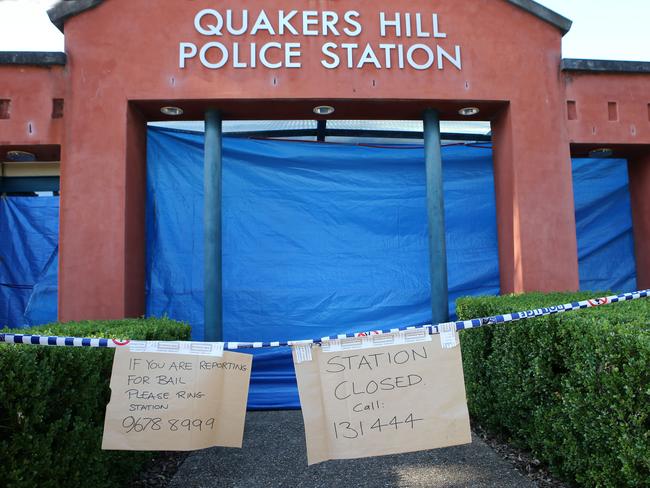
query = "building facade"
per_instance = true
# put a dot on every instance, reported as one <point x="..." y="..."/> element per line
<point x="125" y="60"/>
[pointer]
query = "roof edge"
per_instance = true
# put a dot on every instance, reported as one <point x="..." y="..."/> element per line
<point x="605" y="66"/>
<point x="33" y="58"/>
<point x="65" y="9"/>
<point x="545" y="14"/>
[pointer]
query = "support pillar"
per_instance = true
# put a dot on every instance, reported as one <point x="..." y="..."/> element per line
<point x="639" y="170"/>
<point x="213" y="301"/>
<point x="538" y="249"/>
<point x="436" y="214"/>
<point x="102" y="216"/>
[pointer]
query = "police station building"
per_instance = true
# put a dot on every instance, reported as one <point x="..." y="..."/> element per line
<point x="84" y="116"/>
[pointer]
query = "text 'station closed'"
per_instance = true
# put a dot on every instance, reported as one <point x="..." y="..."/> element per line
<point x="382" y="400"/>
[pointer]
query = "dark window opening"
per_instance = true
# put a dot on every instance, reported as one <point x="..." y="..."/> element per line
<point x="612" y="111"/>
<point x="57" y="108"/>
<point x="572" y="110"/>
<point x="5" y="105"/>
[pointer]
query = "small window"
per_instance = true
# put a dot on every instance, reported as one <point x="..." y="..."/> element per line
<point x="57" y="108"/>
<point x="612" y="111"/>
<point x="572" y="110"/>
<point x="5" y="106"/>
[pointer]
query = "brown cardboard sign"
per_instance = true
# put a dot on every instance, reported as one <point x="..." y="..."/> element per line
<point x="176" y="402"/>
<point x="382" y="400"/>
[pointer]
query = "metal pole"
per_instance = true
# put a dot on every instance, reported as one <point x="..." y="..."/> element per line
<point x="436" y="213"/>
<point x="213" y="301"/>
<point x="321" y="129"/>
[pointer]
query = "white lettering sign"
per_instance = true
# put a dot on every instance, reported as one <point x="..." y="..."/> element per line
<point x="417" y="36"/>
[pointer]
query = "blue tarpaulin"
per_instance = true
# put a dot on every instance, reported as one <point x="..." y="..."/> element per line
<point x="29" y="237"/>
<point x="321" y="239"/>
<point x="318" y="239"/>
<point x="604" y="225"/>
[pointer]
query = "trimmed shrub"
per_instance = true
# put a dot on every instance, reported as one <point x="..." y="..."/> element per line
<point x="52" y="405"/>
<point x="573" y="388"/>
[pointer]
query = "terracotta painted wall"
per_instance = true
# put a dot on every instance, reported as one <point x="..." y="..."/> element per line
<point x="123" y="65"/>
<point x="128" y="50"/>
<point x="613" y="110"/>
<point x="610" y="108"/>
<point x="121" y="71"/>
<point x="31" y="91"/>
<point x="139" y="57"/>
<point x="639" y="170"/>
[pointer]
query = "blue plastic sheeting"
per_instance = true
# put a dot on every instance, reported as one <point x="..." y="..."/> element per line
<point x="604" y="225"/>
<point x="43" y="303"/>
<point x="318" y="239"/>
<point x="29" y="235"/>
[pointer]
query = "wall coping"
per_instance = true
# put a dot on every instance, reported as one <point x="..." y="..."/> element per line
<point x="32" y="58"/>
<point x="65" y="9"/>
<point x="605" y="66"/>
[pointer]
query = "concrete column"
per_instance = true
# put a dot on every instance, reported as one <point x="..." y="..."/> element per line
<point x="102" y="214"/>
<point x="639" y="170"/>
<point x="534" y="198"/>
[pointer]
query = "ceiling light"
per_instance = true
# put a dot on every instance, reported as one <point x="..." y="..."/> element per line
<point x="172" y="111"/>
<point x="20" y="156"/>
<point x="469" y="111"/>
<point x="601" y="152"/>
<point x="323" y="110"/>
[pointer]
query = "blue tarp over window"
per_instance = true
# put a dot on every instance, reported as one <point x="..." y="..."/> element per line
<point x="29" y="237"/>
<point x="318" y="239"/>
<point x="604" y="225"/>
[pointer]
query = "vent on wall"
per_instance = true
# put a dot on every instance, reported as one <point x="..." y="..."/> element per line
<point x="5" y="106"/>
<point x="612" y="111"/>
<point x="572" y="110"/>
<point x="57" y="108"/>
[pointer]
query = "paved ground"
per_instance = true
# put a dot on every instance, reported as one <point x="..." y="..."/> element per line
<point x="274" y="455"/>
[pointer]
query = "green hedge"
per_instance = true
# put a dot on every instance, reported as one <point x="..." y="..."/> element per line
<point x="573" y="388"/>
<point x="52" y="403"/>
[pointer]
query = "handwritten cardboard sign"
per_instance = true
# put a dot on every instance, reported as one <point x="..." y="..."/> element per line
<point x="176" y="402"/>
<point x="382" y="400"/>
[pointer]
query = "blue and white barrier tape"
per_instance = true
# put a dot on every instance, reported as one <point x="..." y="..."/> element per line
<point x="433" y="329"/>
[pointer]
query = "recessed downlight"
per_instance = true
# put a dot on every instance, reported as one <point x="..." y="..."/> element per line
<point x="601" y="152"/>
<point x="469" y="111"/>
<point x="20" y="156"/>
<point x="324" y="110"/>
<point x="172" y="111"/>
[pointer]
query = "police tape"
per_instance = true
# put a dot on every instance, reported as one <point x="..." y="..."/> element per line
<point x="432" y="329"/>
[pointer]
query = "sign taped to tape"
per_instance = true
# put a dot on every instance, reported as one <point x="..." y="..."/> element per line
<point x="382" y="400"/>
<point x="163" y="401"/>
